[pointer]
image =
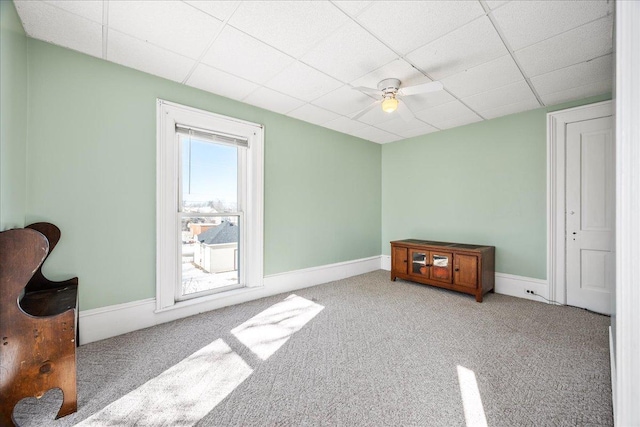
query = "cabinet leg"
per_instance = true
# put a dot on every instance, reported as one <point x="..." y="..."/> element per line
<point x="479" y="297"/>
<point x="393" y="278"/>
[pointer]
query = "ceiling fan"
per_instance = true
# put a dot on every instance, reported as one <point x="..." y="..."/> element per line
<point x="391" y="93"/>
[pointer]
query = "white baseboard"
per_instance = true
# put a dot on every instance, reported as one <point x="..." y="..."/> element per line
<point x="612" y="356"/>
<point x="385" y="262"/>
<point x="516" y="286"/>
<point x="105" y="322"/>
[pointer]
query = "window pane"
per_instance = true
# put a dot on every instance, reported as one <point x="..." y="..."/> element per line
<point x="209" y="176"/>
<point x="209" y="253"/>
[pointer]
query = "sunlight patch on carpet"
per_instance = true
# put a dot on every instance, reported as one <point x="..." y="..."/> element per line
<point x="181" y="395"/>
<point x="267" y="331"/>
<point x="473" y="410"/>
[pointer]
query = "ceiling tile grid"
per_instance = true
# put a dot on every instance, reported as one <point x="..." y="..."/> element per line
<point x="216" y="81"/>
<point x="504" y="95"/>
<point x="294" y="27"/>
<point x="303" y="82"/>
<point x="131" y="52"/>
<point x="349" y="53"/>
<point x="504" y="110"/>
<point x="376" y="135"/>
<point x="572" y="47"/>
<point x="312" y="114"/>
<point x="92" y="10"/>
<point x="304" y="58"/>
<point x="172" y="25"/>
<point x="527" y="22"/>
<point x="244" y="56"/>
<point x="576" y="75"/>
<point x="275" y="101"/>
<point x="419" y="22"/>
<point x="445" y="114"/>
<point x="47" y="22"/>
<point x="470" y="45"/>
<point x="484" y="77"/>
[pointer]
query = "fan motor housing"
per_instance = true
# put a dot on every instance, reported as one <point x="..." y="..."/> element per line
<point x="389" y="86"/>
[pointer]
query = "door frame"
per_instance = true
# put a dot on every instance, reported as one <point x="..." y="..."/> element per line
<point x="557" y="122"/>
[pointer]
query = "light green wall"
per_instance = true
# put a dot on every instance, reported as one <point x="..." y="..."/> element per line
<point x="91" y="161"/>
<point x="482" y="183"/>
<point x="13" y="117"/>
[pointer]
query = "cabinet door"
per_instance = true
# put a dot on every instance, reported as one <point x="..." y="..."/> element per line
<point x="466" y="270"/>
<point x="418" y="263"/>
<point x="441" y="266"/>
<point x="399" y="260"/>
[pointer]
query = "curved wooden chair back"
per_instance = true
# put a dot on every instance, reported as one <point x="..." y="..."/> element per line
<point x="52" y="233"/>
<point x="37" y="353"/>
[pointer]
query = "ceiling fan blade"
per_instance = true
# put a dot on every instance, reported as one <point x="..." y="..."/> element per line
<point x="421" y="88"/>
<point x="405" y="112"/>
<point x="365" y="110"/>
<point x="368" y="90"/>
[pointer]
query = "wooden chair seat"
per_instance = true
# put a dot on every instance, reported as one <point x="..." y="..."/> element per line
<point x="49" y="302"/>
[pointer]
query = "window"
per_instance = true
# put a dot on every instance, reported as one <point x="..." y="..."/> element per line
<point x="209" y="204"/>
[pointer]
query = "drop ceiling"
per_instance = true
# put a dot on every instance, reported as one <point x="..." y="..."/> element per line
<point x="303" y="58"/>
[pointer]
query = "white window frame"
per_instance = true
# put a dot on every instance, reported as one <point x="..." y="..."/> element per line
<point x="167" y="198"/>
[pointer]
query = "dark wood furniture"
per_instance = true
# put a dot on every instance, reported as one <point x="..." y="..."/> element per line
<point x="456" y="266"/>
<point x="38" y="323"/>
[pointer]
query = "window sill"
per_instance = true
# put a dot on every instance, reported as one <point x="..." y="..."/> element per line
<point x="208" y="298"/>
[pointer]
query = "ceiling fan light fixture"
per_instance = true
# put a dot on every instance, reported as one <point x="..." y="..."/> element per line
<point x="389" y="105"/>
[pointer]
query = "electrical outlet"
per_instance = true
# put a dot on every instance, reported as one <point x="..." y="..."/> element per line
<point x="529" y="291"/>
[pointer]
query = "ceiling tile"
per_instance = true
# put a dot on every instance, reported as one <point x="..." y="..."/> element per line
<point x="444" y="114"/>
<point x="348" y="53"/>
<point x="218" y="9"/>
<point x="345" y="101"/>
<point x="581" y="74"/>
<point x="580" y="44"/>
<point x="221" y="83"/>
<point x="312" y="114"/>
<point x="45" y="22"/>
<point x="272" y="100"/>
<point x="303" y="82"/>
<point x="494" y="4"/>
<point x="169" y="24"/>
<point x="399" y="126"/>
<point x="126" y="50"/>
<point x="427" y="100"/>
<point x="504" y="110"/>
<point x="471" y="45"/>
<point x="505" y="95"/>
<point x="524" y="23"/>
<point x="580" y="92"/>
<point x="293" y="27"/>
<point x="417" y="132"/>
<point x="407" y="25"/>
<point x="482" y="78"/>
<point x="239" y="54"/>
<point x="344" y="125"/>
<point x="375" y="135"/>
<point x="397" y="69"/>
<point x="352" y="7"/>
<point x="91" y="10"/>
<point x="459" y="121"/>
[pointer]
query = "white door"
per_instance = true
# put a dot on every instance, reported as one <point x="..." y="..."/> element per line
<point x="590" y="214"/>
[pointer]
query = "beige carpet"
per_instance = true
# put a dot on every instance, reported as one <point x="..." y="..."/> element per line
<point x="376" y="353"/>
